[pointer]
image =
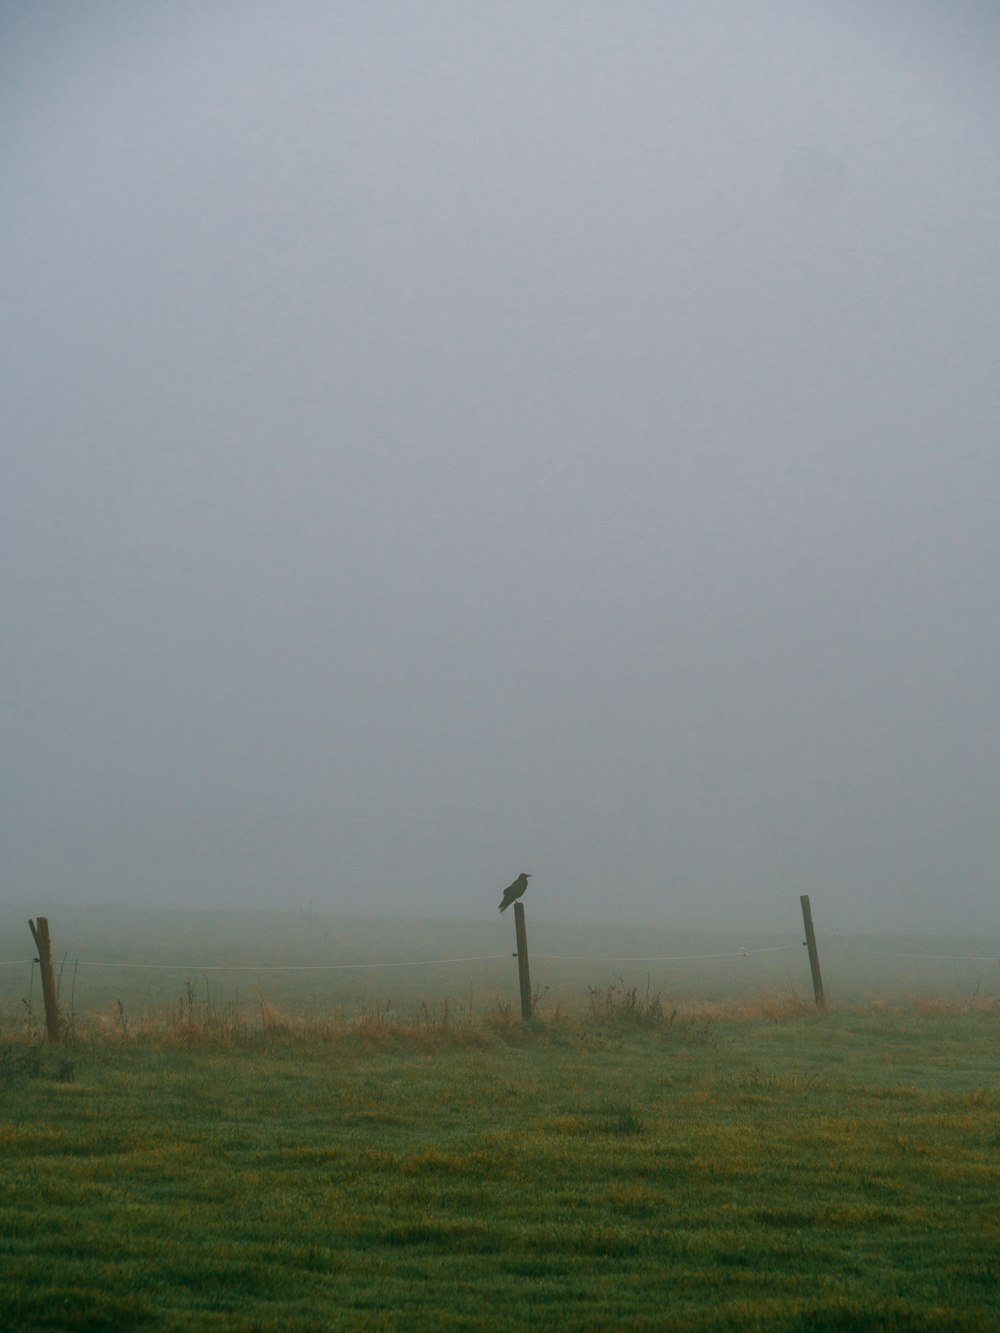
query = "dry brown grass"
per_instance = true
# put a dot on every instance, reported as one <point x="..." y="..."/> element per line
<point x="774" y="1007"/>
<point x="199" y="1018"/>
<point x="938" y="1004"/>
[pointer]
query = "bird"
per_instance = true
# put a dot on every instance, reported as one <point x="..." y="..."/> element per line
<point x="514" y="891"/>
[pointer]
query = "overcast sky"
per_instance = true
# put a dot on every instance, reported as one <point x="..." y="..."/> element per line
<point x="447" y="439"/>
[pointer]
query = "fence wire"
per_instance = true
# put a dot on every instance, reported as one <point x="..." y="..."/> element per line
<point x="410" y="962"/>
<point x="827" y="947"/>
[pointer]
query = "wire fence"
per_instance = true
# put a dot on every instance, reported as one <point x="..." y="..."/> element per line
<point x="269" y="967"/>
<point x="598" y="959"/>
<point x="853" y="968"/>
<point x="412" y="962"/>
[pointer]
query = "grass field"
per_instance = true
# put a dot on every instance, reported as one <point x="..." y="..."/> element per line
<point x="628" y="1161"/>
<point x="317" y="965"/>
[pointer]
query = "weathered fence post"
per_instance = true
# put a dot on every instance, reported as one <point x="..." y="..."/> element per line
<point x="810" y="943"/>
<point x="44" y="946"/>
<point x="522" y="961"/>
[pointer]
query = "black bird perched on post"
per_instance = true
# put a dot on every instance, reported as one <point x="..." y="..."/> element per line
<point x="514" y="891"/>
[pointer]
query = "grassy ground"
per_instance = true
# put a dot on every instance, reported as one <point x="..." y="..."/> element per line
<point x="140" y="961"/>
<point x="746" y="1168"/>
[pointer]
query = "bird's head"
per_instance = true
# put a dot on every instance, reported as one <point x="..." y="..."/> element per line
<point x="525" y="875"/>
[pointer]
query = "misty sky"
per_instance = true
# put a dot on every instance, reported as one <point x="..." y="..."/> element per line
<point x="447" y="439"/>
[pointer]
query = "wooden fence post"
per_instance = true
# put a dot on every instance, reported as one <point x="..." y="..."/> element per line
<point x="43" y="944"/>
<point x="810" y="943"/>
<point x="522" y="961"/>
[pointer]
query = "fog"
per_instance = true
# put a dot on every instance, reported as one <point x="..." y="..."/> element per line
<point x="447" y="440"/>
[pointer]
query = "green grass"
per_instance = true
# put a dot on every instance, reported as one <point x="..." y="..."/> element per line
<point x="622" y="1168"/>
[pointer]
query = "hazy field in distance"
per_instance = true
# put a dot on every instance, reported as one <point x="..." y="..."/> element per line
<point x="309" y="963"/>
